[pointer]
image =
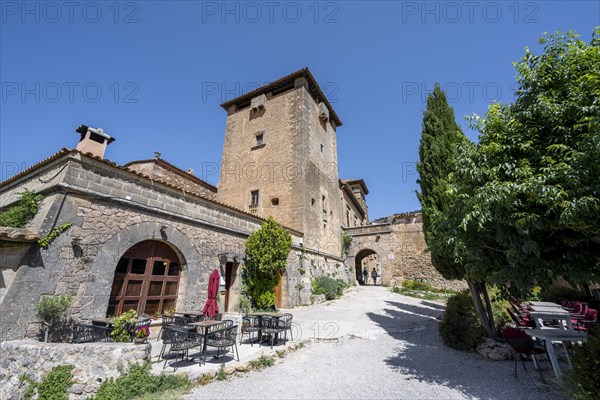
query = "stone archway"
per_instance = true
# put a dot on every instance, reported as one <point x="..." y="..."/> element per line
<point x="363" y="261"/>
<point x="97" y="293"/>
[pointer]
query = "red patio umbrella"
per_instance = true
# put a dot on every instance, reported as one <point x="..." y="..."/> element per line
<point x="211" y="308"/>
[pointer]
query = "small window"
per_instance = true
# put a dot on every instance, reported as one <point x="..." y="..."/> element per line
<point x="254" y="197"/>
<point x="275" y="201"/>
<point x="260" y="139"/>
<point x="321" y="147"/>
<point x="312" y="202"/>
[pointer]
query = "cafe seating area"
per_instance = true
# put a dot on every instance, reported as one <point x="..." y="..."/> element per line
<point x="567" y="323"/>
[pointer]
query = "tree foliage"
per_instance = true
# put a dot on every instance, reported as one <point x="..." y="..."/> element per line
<point x="267" y="250"/>
<point x="529" y="191"/>
<point x="437" y="154"/>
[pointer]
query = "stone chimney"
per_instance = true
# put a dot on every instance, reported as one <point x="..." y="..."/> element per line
<point x="93" y="140"/>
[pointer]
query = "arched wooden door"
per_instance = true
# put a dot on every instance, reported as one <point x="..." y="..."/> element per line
<point x="146" y="279"/>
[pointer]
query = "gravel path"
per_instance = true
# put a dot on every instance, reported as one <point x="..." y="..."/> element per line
<point x="379" y="345"/>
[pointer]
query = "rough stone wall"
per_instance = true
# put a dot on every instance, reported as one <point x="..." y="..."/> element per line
<point x="182" y="179"/>
<point x="356" y="217"/>
<point x="112" y="211"/>
<point x="288" y="166"/>
<point x="400" y="246"/>
<point x="94" y="363"/>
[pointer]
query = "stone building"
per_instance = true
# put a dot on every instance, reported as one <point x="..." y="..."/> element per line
<point x="147" y="234"/>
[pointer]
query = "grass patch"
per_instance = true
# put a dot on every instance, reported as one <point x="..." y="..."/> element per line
<point x="423" y="290"/>
<point x="280" y="353"/>
<point x="221" y="375"/>
<point x="205" y="379"/>
<point x="138" y="382"/>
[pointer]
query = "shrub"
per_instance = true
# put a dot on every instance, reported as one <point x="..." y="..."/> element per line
<point x="460" y="328"/>
<point x="267" y="250"/>
<point x="53" y="386"/>
<point x="137" y="382"/>
<point x="586" y="363"/>
<point x="122" y="324"/>
<point x="558" y="293"/>
<point x="52" y="311"/>
<point x="330" y="287"/>
<point x="416" y="285"/>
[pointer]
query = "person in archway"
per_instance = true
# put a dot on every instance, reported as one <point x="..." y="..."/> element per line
<point x="365" y="276"/>
<point x="374" y="276"/>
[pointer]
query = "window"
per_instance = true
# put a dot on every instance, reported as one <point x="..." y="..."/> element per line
<point x="321" y="147"/>
<point x="275" y="201"/>
<point x="254" y="197"/>
<point x="324" y="199"/>
<point x="260" y="139"/>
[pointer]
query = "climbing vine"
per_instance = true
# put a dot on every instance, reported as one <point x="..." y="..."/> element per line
<point x="53" y="234"/>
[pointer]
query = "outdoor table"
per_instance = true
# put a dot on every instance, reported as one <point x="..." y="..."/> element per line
<point x="543" y="304"/>
<point x="556" y="310"/>
<point x="556" y="335"/>
<point x="195" y="315"/>
<point x="205" y="325"/>
<point x="260" y="315"/>
<point x="562" y="316"/>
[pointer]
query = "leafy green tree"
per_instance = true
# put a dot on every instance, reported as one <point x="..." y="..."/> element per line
<point x="267" y="250"/>
<point x="20" y="214"/>
<point x="441" y="137"/>
<point x="529" y="191"/>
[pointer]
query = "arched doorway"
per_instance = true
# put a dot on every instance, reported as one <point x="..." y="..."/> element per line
<point x="368" y="260"/>
<point x="146" y="279"/>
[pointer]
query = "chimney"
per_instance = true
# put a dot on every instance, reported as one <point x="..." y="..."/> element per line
<point x="93" y="140"/>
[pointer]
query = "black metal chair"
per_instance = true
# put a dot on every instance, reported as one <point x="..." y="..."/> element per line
<point x="250" y="326"/>
<point x="173" y="320"/>
<point x="85" y="333"/>
<point x="271" y="326"/>
<point x="223" y="339"/>
<point x="522" y="344"/>
<point x="287" y="319"/>
<point x="181" y="340"/>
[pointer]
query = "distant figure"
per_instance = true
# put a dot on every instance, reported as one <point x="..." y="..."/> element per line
<point x="374" y="276"/>
<point x="365" y="276"/>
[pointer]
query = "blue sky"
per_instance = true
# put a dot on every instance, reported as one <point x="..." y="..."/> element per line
<point x="153" y="73"/>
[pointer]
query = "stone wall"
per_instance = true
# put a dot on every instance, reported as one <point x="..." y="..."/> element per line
<point x="400" y="246"/>
<point x="288" y="166"/>
<point x="112" y="210"/>
<point x="94" y="363"/>
<point x="162" y="170"/>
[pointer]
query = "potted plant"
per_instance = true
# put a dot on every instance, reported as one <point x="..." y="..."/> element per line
<point x="141" y="335"/>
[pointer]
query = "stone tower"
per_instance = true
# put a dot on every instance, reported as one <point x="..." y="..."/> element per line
<point x="280" y="158"/>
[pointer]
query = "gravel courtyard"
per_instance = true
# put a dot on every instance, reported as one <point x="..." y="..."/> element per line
<point x="375" y="344"/>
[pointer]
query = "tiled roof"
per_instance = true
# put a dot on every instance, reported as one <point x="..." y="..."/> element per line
<point x="21" y="235"/>
<point x="175" y="169"/>
<point x="283" y="84"/>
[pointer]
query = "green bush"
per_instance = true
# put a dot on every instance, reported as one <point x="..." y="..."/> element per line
<point x="558" y="293"/>
<point x="460" y="328"/>
<point x="52" y="311"/>
<point x="122" y="325"/>
<point x="417" y="285"/>
<point x="330" y="287"/>
<point x="137" y="382"/>
<point x="501" y="317"/>
<point x="53" y="386"/>
<point x="586" y="363"/>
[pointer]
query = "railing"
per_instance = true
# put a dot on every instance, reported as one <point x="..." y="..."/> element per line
<point x="253" y="209"/>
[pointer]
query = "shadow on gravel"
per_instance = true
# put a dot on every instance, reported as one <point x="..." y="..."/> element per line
<point x="423" y="356"/>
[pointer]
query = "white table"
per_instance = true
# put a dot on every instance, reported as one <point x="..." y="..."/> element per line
<point x="563" y="317"/>
<point x="556" y="310"/>
<point x="543" y="304"/>
<point x="556" y="335"/>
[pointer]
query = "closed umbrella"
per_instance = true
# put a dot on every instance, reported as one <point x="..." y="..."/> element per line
<point x="211" y="308"/>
